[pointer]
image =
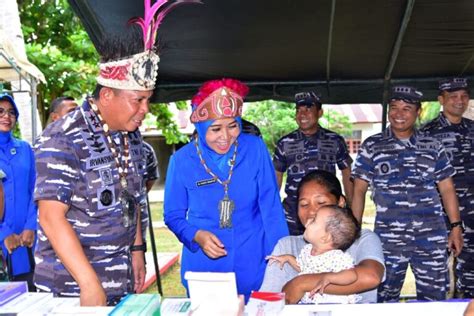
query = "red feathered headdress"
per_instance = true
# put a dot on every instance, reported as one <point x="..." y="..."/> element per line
<point x="139" y="71"/>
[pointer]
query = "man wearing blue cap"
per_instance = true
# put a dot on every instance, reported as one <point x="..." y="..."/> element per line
<point x="404" y="169"/>
<point x="457" y="136"/>
<point x="306" y="149"/>
<point x="17" y="175"/>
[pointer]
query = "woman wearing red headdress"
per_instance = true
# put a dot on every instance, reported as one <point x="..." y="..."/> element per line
<point x="221" y="196"/>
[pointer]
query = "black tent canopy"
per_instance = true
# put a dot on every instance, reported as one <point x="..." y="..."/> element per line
<point x="349" y="51"/>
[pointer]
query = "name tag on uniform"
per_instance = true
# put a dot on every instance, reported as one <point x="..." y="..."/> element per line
<point x="427" y="146"/>
<point x="205" y="182"/>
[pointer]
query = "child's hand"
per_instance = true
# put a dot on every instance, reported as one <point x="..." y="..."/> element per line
<point x="279" y="259"/>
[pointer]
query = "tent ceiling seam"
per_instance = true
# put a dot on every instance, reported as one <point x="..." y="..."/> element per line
<point x="399" y="40"/>
<point x="467" y="64"/>
<point x="329" y="48"/>
<point x="394" y="58"/>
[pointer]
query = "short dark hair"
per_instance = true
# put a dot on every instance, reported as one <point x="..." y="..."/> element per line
<point x="324" y="178"/>
<point x="96" y="94"/>
<point x="56" y="103"/>
<point x="342" y="226"/>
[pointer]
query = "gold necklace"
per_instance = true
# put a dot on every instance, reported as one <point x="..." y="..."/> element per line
<point x="226" y="205"/>
<point x="127" y="200"/>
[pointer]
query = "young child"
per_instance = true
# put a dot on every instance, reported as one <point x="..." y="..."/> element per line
<point x="331" y="231"/>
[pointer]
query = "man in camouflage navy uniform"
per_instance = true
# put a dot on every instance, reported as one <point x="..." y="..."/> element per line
<point x="404" y="168"/>
<point x="308" y="148"/>
<point x="151" y="173"/>
<point x="457" y="135"/>
<point x="90" y="189"/>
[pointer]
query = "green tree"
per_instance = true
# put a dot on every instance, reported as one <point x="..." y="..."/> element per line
<point x="429" y="110"/>
<point x="165" y="122"/>
<point x="336" y="122"/>
<point x="59" y="46"/>
<point x="276" y="119"/>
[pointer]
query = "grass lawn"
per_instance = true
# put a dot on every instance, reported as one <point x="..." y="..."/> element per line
<point x="167" y="242"/>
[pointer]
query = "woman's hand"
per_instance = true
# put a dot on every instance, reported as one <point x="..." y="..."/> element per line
<point x="210" y="244"/>
<point x="12" y="242"/>
<point x="27" y="237"/>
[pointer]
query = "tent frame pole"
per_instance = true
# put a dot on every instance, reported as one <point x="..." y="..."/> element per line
<point x="394" y="58"/>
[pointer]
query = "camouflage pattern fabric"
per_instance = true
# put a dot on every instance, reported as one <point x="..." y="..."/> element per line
<point x="75" y="167"/>
<point x="298" y="154"/>
<point x="151" y="171"/>
<point x="250" y="128"/>
<point x="458" y="139"/>
<point x="409" y="219"/>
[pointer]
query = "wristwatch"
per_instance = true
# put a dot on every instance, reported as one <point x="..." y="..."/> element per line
<point x="460" y="224"/>
<point x="141" y="247"/>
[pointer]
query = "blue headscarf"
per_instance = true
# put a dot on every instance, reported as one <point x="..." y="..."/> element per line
<point x="6" y="136"/>
<point x="221" y="160"/>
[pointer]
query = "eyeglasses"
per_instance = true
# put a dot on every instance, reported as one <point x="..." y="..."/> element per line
<point x="10" y="112"/>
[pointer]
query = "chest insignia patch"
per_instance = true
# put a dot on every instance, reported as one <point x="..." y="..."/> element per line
<point x="106" y="197"/>
<point x="384" y="168"/>
<point x="106" y="176"/>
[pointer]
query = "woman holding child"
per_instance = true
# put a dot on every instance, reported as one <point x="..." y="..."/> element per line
<point x="221" y="198"/>
<point x="317" y="189"/>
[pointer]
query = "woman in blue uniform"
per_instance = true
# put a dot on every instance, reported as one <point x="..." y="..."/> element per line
<point x="221" y="196"/>
<point x="18" y="225"/>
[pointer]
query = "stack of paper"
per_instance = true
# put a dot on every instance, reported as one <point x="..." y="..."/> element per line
<point x="31" y="301"/>
<point x="11" y="290"/>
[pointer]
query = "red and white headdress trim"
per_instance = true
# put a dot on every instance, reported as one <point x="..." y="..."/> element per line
<point x="137" y="72"/>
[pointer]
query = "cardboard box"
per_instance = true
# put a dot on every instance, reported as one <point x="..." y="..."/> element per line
<point x="265" y="303"/>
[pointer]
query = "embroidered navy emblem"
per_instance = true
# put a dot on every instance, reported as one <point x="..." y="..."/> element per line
<point x="385" y="168"/>
<point x="106" y="197"/>
<point x="95" y="142"/>
<point x="106" y="176"/>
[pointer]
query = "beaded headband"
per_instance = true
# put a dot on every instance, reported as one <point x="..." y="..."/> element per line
<point x="139" y="71"/>
<point x="218" y="99"/>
